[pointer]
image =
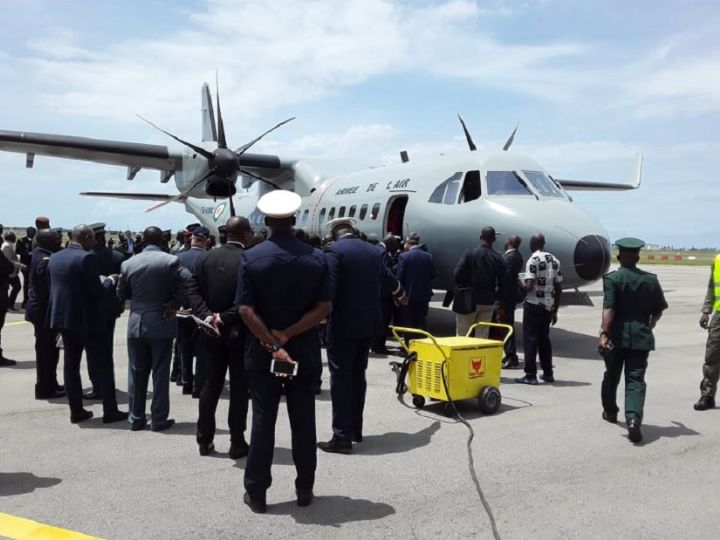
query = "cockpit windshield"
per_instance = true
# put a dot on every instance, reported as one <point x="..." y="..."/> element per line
<point x="447" y="192"/>
<point x="543" y="185"/>
<point x="506" y="183"/>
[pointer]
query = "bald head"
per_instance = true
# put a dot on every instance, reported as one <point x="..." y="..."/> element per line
<point x="487" y="235"/>
<point x="513" y="242"/>
<point x="238" y="229"/>
<point x="49" y="239"/>
<point x="83" y="235"/>
<point x="537" y="242"/>
<point x="153" y="236"/>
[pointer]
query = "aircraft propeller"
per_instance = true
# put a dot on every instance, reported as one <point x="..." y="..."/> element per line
<point x="470" y="142"/>
<point x="511" y="138"/>
<point x="223" y="163"/>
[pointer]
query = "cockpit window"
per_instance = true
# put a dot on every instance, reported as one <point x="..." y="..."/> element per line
<point x="471" y="187"/>
<point x="543" y="185"/>
<point x="506" y="183"/>
<point x="447" y="192"/>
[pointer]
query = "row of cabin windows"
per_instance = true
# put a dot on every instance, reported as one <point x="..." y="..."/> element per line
<point x="374" y="213"/>
<point x="457" y="189"/>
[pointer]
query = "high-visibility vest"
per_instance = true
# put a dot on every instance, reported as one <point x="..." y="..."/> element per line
<point x="716" y="279"/>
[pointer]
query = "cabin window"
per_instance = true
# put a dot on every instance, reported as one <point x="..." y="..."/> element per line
<point x="322" y="216"/>
<point x="471" y="189"/>
<point x="306" y="213"/>
<point x="351" y="213"/>
<point x="542" y="184"/>
<point x="331" y="214"/>
<point x="447" y="192"/>
<point x="341" y="212"/>
<point x="363" y="211"/>
<point x="506" y="183"/>
<point x="375" y="211"/>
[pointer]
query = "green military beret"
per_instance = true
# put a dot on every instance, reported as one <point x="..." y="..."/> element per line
<point x="629" y="244"/>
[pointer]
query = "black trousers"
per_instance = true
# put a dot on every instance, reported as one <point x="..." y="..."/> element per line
<point x="220" y="355"/>
<point x="14" y="291"/>
<point x="510" y="345"/>
<point x="536" y="338"/>
<point x="386" y="303"/>
<point x="414" y="315"/>
<point x="3" y="311"/>
<point x="26" y="284"/>
<point x="105" y="348"/>
<point x="47" y="356"/>
<point x="187" y="334"/>
<point x="74" y="344"/>
<point x="266" y="390"/>
<point x="348" y="361"/>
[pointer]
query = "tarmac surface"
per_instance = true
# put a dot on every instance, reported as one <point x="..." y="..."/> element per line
<point x="549" y="465"/>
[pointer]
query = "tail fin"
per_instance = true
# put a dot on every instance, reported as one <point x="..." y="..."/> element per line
<point x="208" y="116"/>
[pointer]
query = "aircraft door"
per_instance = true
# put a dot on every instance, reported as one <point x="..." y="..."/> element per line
<point x="395" y="217"/>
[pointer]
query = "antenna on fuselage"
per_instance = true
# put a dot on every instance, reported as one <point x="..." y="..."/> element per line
<point x="404" y="156"/>
<point x="470" y="142"/>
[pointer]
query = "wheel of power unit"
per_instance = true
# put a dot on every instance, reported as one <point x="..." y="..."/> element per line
<point x="489" y="400"/>
<point x="418" y="402"/>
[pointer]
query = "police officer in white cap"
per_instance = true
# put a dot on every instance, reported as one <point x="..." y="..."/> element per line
<point x="283" y="293"/>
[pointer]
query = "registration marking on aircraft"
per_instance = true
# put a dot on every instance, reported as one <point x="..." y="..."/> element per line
<point x="20" y="528"/>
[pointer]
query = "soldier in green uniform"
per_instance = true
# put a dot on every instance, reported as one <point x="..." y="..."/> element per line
<point x="711" y="368"/>
<point x="633" y="302"/>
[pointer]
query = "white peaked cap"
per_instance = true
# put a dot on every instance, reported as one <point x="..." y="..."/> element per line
<point x="279" y="203"/>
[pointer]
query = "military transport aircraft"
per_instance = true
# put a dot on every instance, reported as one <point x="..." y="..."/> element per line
<point x="445" y="199"/>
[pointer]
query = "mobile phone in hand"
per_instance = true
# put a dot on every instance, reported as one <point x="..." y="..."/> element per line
<point x="284" y="368"/>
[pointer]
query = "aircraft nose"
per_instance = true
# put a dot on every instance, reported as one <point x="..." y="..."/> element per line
<point x="592" y="257"/>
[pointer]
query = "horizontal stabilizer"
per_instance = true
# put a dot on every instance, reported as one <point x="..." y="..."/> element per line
<point x="632" y="180"/>
<point x="131" y="196"/>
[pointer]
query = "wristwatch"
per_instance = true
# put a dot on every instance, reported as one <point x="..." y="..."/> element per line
<point x="604" y="333"/>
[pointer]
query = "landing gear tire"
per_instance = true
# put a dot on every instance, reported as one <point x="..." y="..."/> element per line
<point x="418" y="402"/>
<point x="489" y="400"/>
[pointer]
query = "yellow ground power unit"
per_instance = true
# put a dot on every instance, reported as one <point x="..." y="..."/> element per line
<point x="454" y="368"/>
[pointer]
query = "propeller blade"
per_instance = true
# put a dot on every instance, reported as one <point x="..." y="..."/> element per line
<point x="244" y="148"/>
<point x="470" y="142"/>
<point x="258" y="177"/>
<point x="201" y="151"/>
<point x="182" y="194"/>
<point x="512" y="138"/>
<point x="222" y="142"/>
<point x="232" y="204"/>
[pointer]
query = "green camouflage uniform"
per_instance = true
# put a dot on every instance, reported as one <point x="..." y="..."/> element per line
<point x="635" y="295"/>
<point x="711" y="368"/>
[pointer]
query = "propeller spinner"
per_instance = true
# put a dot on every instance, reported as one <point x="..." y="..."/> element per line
<point x="223" y="163"/>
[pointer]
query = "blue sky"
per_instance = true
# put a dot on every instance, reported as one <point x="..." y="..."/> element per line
<point x="590" y="82"/>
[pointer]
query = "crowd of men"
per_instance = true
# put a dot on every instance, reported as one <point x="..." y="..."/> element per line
<point x="260" y="305"/>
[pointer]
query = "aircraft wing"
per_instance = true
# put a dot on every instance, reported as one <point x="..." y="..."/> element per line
<point x="132" y="196"/>
<point x="632" y="180"/>
<point x="135" y="156"/>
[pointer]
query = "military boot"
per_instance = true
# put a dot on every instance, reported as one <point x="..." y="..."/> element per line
<point x="705" y="403"/>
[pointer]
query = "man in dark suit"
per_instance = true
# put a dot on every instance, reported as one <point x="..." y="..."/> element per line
<point x="153" y="282"/>
<point x="211" y="292"/>
<point x="24" y="248"/>
<point x="415" y="271"/>
<point x="47" y="354"/>
<point x="514" y="264"/>
<point x="192" y="383"/>
<point x="357" y="274"/>
<point x="75" y="310"/>
<point x="283" y="293"/>
<point x="6" y="268"/>
<point x="388" y="248"/>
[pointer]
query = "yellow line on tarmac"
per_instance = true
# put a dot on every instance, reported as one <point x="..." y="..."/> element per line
<point x="25" y="529"/>
<point x="15" y="323"/>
